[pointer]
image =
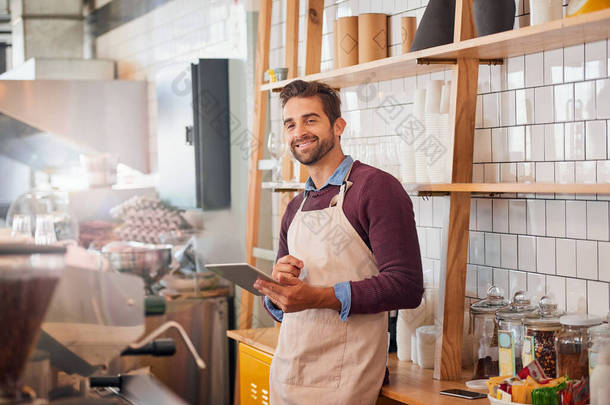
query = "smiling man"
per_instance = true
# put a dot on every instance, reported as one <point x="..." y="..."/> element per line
<point x="348" y="253"/>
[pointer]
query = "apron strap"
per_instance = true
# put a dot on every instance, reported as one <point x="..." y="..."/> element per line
<point x="342" y="191"/>
<point x="302" y="202"/>
<point x="343" y="188"/>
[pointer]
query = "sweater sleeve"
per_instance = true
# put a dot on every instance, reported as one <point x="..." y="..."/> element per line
<point x="282" y="251"/>
<point x="289" y="214"/>
<point x="386" y="213"/>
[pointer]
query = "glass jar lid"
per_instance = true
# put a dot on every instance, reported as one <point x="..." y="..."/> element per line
<point x="580" y="320"/>
<point x="547" y="314"/>
<point x="519" y="307"/>
<point x="494" y="301"/>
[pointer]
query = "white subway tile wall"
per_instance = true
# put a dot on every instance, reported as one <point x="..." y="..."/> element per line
<point x="556" y="289"/>
<point x="539" y="118"/>
<point x="595" y="60"/>
<point x="485" y="280"/>
<point x="576" y="297"/>
<point x="500" y="279"/>
<point x="517" y="281"/>
<point x="566" y="257"/>
<point x="526" y="251"/>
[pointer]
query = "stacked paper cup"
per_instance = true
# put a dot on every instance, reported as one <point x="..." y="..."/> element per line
<point x="408" y="320"/>
<point x="419" y="108"/>
<point x="406" y="150"/>
<point x="410" y="137"/>
<point x="434" y="132"/>
<point x="447" y="132"/>
<point x="426" y="342"/>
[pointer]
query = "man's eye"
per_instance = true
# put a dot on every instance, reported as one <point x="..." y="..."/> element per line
<point x="290" y="126"/>
<point x="311" y="121"/>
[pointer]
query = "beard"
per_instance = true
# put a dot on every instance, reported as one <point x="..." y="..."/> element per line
<point x="312" y="156"/>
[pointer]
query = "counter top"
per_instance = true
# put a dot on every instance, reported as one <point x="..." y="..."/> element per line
<point x="264" y="339"/>
<point x="408" y="382"/>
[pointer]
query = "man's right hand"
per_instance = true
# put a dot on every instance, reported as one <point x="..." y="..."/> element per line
<point x="287" y="266"/>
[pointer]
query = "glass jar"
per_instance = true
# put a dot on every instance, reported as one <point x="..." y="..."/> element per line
<point x="54" y="203"/>
<point x="571" y="345"/>
<point x="483" y="329"/>
<point x="599" y="339"/>
<point x="510" y="332"/>
<point x="539" y="336"/>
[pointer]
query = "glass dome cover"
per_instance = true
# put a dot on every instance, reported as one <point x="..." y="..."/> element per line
<point x="519" y="308"/>
<point x="46" y="202"/>
<point x="494" y="301"/>
<point x="547" y="314"/>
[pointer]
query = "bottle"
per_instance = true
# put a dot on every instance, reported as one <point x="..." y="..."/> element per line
<point x="598" y="384"/>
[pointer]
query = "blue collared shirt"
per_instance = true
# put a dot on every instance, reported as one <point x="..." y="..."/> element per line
<point x="343" y="291"/>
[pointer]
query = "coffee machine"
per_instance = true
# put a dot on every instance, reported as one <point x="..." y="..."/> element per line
<point x="62" y="325"/>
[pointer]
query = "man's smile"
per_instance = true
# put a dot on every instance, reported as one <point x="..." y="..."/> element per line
<point x="304" y="144"/>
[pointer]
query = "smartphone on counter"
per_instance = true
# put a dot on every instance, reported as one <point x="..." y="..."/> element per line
<point x="463" y="394"/>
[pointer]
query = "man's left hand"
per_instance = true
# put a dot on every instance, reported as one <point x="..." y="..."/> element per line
<point x="294" y="295"/>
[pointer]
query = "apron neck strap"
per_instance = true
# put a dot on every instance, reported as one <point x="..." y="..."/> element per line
<point x="343" y="188"/>
<point x="302" y="202"/>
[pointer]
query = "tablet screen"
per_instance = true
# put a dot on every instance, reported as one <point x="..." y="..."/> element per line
<point x="242" y="274"/>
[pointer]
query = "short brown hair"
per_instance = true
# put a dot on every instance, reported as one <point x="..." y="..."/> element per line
<point x="331" y="103"/>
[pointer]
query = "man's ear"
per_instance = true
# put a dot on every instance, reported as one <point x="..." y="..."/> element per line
<point x="339" y="126"/>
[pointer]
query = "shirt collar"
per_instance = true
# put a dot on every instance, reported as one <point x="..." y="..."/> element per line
<point x="336" y="179"/>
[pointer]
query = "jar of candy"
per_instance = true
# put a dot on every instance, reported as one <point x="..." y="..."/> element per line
<point x="539" y="336"/>
<point x="483" y="329"/>
<point x="571" y="344"/>
<point x="510" y="332"/>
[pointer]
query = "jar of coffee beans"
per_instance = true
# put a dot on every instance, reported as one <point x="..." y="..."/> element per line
<point x="539" y="336"/>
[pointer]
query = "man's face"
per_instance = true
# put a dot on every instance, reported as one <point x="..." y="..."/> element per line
<point x="308" y="129"/>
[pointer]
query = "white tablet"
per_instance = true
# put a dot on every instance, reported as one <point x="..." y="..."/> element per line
<point x="242" y="274"/>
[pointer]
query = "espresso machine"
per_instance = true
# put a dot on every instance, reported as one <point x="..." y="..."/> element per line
<point x="62" y="325"/>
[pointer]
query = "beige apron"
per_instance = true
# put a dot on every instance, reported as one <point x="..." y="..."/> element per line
<point x="320" y="359"/>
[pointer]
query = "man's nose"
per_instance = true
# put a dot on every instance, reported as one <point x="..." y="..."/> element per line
<point x="298" y="132"/>
<point x="301" y="130"/>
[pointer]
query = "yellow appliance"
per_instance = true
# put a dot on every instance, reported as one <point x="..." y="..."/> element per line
<point x="578" y="7"/>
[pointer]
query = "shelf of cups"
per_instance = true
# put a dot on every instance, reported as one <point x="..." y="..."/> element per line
<point x="554" y="34"/>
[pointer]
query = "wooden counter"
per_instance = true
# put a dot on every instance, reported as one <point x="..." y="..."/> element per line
<point x="409" y="384"/>
<point x="264" y="339"/>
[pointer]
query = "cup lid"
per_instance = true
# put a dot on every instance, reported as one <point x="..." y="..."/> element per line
<point x="580" y="320"/>
<point x="494" y="300"/>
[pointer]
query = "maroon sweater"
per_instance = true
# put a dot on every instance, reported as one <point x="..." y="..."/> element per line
<point x="381" y="212"/>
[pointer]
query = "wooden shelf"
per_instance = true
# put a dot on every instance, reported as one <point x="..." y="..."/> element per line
<point x="555" y="34"/>
<point x="409" y="383"/>
<point x="527" y="188"/>
<point x="487" y="188"/>
<point x="283" y="186"/>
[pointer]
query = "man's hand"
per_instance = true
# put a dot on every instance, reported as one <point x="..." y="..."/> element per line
<point x="287" y="265"/>
<point x="295" y="295"/>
